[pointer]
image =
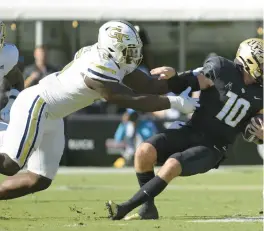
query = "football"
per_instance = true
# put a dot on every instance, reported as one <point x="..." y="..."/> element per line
<point x="247" y="135"/>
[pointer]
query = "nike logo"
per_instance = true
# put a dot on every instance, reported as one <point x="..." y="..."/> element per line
<point x="255" y="97"/>
<point x="216" y="148"/>
<point x="146" y="193"/>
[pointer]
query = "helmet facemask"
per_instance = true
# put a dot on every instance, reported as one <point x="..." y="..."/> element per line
<point x="132" y="55"/>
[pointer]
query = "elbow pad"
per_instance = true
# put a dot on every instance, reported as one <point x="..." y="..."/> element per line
<point x="182" y="80"/>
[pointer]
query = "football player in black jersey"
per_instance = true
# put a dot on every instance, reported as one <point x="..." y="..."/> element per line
<point x="231" y="94"/>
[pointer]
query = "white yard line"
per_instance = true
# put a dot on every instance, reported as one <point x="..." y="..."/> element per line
<point x="109" y="170"/>
<point x="170" y="187"/>
<point x="230" y="220"/>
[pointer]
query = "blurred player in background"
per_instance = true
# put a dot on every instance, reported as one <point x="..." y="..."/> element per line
<point x="35" y="134"/>
<point x="231" y="94"/>
<point x="11" y="79"/>
<point x="132" y="131"/>
<point x="39" y="69"/>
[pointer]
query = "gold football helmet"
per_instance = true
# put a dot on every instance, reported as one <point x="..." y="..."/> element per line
<point x="2" y="34"/>
<point x="250" y="55"/>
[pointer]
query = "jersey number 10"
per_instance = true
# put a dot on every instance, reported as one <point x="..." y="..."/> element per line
<point x="234" y="109"/>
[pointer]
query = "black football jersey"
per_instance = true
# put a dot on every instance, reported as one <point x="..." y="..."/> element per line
<point x="228" y="105"/>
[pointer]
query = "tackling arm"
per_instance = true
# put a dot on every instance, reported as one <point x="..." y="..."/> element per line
<point x="118" y="94"/>
<point x="143" y="84"/>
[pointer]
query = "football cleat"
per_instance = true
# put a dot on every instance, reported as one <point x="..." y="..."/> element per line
<point x="115" y="211"/>
<point x="146" y="212"/>
<point x="133" y="217"/>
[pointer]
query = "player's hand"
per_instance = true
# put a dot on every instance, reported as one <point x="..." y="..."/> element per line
<point x="184" y="103"/>
<point x="163" y="72"/>
<point x="257" y="129"/>
<point x="188" y="101"/>
<point x="5" y="112"/>
<point x="177" y="125"/>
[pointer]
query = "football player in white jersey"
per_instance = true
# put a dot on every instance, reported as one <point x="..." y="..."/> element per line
<point x="35" y="134"/>
<point x="11" y="79"/>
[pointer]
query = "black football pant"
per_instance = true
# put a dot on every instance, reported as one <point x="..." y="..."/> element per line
<point x="191" y="148"/>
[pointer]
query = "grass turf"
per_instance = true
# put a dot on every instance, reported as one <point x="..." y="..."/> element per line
<point x="76" y="202"/>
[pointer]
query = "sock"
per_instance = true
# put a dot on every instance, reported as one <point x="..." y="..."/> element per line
<point x="144" y="178"/>
<point x="146" y="193"/>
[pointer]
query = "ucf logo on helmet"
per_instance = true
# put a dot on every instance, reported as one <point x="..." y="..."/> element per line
<point x="116" y="33"/>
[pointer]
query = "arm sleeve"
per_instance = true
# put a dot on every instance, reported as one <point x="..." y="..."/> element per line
<point x="212" y="67"/>
<point x="183" y="80"/>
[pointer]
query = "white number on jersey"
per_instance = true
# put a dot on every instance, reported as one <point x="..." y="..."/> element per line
<point x="232" y="107"/>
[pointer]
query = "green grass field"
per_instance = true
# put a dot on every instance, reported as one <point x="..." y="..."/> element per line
<point x="221" y="200"/>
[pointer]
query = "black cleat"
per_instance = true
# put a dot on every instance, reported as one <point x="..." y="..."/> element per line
<point x="146" y="212"/>
<point x="116" y="212"/>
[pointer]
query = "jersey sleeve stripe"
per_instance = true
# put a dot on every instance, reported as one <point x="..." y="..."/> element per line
<point x="102" y="75"/>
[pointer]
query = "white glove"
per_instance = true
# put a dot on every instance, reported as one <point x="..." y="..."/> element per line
<point x="177" y="125"/>
<point x="5" y="112"/>
<point x="184" y="103"/>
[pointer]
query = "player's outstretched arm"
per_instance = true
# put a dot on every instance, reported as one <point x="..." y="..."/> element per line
<point x="177" y="82"/>
<point x="118" y="94"/>
<point x="169" y="81"/>
<point x="144" y="84"/>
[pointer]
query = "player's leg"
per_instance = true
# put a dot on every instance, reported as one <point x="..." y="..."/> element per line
<point x="195" y="160"/>
<point x="156" y="149"/>
<point x="22" y="184"/>
<point x="24" y="131"/>
<point x="42" y="166"/>
<point x="145" y="159"/>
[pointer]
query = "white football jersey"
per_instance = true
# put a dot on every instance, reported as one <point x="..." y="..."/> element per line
<point x="8" y="58"/>
<point x="66" y="92"/>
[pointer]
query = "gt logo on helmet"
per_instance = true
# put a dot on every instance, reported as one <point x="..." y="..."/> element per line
<point x="115" y="33"/>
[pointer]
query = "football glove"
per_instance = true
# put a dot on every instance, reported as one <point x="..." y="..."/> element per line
<point x="5" y="112"/>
